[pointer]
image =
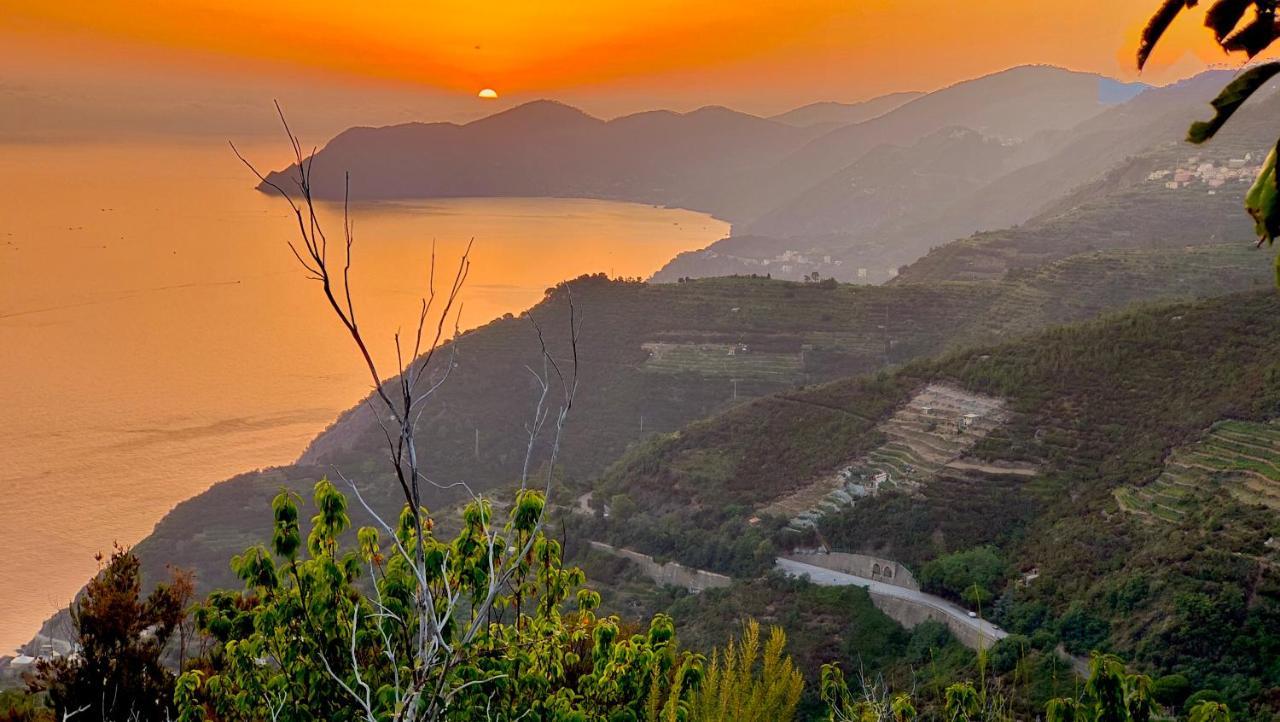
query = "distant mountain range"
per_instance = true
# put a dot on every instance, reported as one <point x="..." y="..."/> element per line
<point x="1013" y="105"/>
<point x="879" y="216"/>
<point x="732" y="164"/>
<point x="833" y="180"/>
<point x="831" y="114"/>
<point x="545" y="148"/>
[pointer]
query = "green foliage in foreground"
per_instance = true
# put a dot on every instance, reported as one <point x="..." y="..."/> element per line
<point x="750" y="684"/>
<point x="310" y="639"/>
<point x="1111" y="694"/>
<point x="323" y="633"/>
<point x="19" y="706"/>
<point x="283" y="652"/>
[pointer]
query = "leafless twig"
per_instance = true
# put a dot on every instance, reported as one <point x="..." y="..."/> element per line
<point x="397" y="405"/>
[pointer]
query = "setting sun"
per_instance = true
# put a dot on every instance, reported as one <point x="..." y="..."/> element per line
<point x="489" y="94"/>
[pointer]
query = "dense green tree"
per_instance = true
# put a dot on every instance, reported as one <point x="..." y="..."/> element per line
<point x="927" y="637"/>
<point x="1209" y="711"/>
<point x="974" y="575"/>
<point x="1005" y="654"/>
<point x="1200" y="697"/>
<point x="1171" y="690"/>
<point x="1081" y="630"/>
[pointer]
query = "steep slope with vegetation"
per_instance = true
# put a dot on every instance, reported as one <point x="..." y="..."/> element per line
<point x="1094" y="407"/>
<point x="1169" y="196"/>
<point x="656" y="357"/>
<point x="885" y="184"/>
<point x="1241" y="457"/>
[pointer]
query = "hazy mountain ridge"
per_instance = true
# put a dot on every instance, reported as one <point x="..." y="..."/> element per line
<point x="734" y="165"/>
<point x="545" y="148"/>
<point x="1040" y="171"/>
<point x="831" y="113"/>
<point x="1012" y="104"/>
<point x="902" y="182"/>
<point x="1130" y="206"/>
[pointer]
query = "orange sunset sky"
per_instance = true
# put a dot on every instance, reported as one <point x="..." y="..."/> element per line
<point x="608" y="56"/>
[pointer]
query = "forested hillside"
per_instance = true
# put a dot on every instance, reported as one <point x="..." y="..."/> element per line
<point x="1093" y="409"/>
<point x="631" y="392"/>
<point x="656" y="357"/>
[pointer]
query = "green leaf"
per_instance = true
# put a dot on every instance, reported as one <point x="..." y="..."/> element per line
<point x="1208" y="711"/>
<point x="1231" y="98"/>
<point x="1159" y="23"/>
<point x="1260" y="201"/>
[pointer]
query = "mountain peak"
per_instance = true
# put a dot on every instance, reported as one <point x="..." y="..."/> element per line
<point x="537" y="114"/>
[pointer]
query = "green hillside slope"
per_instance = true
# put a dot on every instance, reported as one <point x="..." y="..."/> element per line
<point x="1092" y="409"/>
<point x="656" y="357"/>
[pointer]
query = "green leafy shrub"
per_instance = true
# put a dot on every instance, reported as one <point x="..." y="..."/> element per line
<point x="325" y="632"/>
<point x="973" y="576"/>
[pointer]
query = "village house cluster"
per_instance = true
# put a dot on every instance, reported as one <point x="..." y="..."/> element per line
<point x="790" y="262"/>
<point x="1204" y="172"/>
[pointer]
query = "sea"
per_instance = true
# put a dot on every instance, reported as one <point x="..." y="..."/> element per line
<point x="157" y="335"/>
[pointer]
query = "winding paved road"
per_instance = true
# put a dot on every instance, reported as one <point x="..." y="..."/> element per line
<point x="829" y="578"/>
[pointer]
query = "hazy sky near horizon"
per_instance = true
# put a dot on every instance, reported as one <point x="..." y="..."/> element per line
<point x="206" y="62"/>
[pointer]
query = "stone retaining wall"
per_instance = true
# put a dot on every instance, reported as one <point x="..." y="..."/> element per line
<point x="859" y="565"/>
<point x="910" y="613"/>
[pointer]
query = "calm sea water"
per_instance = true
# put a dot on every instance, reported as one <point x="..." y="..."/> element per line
<point x="157" y="336"/>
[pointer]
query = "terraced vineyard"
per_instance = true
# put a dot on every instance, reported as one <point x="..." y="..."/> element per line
<point x="924" y="439"/>
<point x="1091" y="283"/>
<point x="1242" y="456"/>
